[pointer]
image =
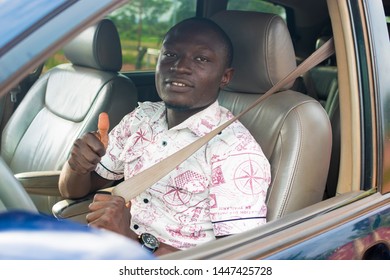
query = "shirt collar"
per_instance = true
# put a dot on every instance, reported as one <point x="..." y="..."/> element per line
<point x="204" y="121"/>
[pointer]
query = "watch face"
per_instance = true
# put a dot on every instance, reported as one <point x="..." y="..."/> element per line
<point x="149" y="241"/>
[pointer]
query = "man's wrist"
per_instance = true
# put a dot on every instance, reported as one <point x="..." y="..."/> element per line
<point x="132" y="235"/>
<point x="149" y="242"/>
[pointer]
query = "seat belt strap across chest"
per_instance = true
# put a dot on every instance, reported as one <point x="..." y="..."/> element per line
<point x="135" y="185"/>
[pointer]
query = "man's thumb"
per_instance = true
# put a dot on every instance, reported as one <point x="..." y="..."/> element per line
<point x="103" y="127"/>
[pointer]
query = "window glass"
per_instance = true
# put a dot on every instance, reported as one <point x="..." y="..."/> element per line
<point x="256" y="5"/>
<point x="19" y="18"/>
<point x="141" y="25"/>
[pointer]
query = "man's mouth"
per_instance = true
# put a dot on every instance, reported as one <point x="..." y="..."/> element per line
<point x="178" y="84"/>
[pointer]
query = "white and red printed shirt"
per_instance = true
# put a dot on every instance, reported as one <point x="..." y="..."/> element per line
<point x="220" y="190"/>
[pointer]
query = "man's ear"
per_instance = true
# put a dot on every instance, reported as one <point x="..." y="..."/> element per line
<point x="226" y="78"/>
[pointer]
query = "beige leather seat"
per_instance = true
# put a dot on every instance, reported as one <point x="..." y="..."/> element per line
<point x="292" y="128"/>
<point x="64" y="104"/>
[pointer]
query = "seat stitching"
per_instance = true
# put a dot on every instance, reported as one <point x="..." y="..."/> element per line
<point x="287" y="192"/>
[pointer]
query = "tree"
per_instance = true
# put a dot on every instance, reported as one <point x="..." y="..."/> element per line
<point x="138" y="16"/>
<point x="185" y="9"/>
<point x="139" y="19"/>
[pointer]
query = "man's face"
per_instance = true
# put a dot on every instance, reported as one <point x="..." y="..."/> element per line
<point x="191" y="68"/>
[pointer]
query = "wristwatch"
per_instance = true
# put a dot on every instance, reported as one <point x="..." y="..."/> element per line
<point x="149" y="241"/>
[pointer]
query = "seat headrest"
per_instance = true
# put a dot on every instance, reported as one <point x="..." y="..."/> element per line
<point x="263" y="49"/>
<point x="96" y="47"/>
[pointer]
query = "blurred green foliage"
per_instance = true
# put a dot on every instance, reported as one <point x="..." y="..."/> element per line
<point x="142" y="24"/>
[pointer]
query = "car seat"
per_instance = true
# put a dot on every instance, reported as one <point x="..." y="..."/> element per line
<point x="64" y="104"/>
<point x="292" y="128"/>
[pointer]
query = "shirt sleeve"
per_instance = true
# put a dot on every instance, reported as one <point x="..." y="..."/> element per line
<point x="240" y="179"/>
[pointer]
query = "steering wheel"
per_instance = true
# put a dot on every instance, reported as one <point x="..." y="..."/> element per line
<point x="12" y="194"/>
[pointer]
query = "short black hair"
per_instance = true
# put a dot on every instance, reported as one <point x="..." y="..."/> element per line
<point x="222" y="36"/>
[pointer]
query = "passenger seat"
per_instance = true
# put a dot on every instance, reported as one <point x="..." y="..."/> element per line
<point x="289" y="126"/>
<point x="64" y="104"/>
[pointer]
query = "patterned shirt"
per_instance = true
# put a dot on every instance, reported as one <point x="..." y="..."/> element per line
<point x="220" y="190"/>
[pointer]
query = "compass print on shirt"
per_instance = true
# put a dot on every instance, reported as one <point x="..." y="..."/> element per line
<point x="185" y="184"/>
<point x="248" y="177"/>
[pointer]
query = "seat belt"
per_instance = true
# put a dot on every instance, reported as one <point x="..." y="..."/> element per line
<point x="135" y="185"/>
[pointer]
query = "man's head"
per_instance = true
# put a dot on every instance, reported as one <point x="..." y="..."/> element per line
<point x="194" y="63"/>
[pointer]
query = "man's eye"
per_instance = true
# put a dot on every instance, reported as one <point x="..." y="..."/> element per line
<point x="201" y="59"/>
<point x="169" y="54"/>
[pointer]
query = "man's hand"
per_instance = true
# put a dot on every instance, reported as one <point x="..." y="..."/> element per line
<point x="86" y="153"/>
<point x="110" y="212"/>
<point x="77" y="177"/>
<point x="88" y="150"/>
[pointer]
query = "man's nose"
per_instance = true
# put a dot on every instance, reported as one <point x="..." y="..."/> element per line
<point x="182" y="65"/>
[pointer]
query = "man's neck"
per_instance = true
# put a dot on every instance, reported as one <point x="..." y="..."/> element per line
<point x="176" y="117"/>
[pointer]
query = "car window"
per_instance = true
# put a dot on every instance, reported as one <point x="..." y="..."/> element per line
<point x="141" y="25"/>
<point x="256" y="5"/>
<point x="19" y="19"/>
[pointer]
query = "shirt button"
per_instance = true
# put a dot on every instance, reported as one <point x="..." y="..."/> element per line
<point x="146" y="200"/>
<point x="164" y="143"/>
<point x="135" y="226"/>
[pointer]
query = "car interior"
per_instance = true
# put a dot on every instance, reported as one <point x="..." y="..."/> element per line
<point x="298" y="128"/>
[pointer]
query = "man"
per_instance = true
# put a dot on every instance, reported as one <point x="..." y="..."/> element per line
<point x="218" y="191"/>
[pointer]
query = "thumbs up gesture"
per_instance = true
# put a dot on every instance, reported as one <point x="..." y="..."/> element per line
<point x="87" y="151"/>
<point x="103" y="127"/>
